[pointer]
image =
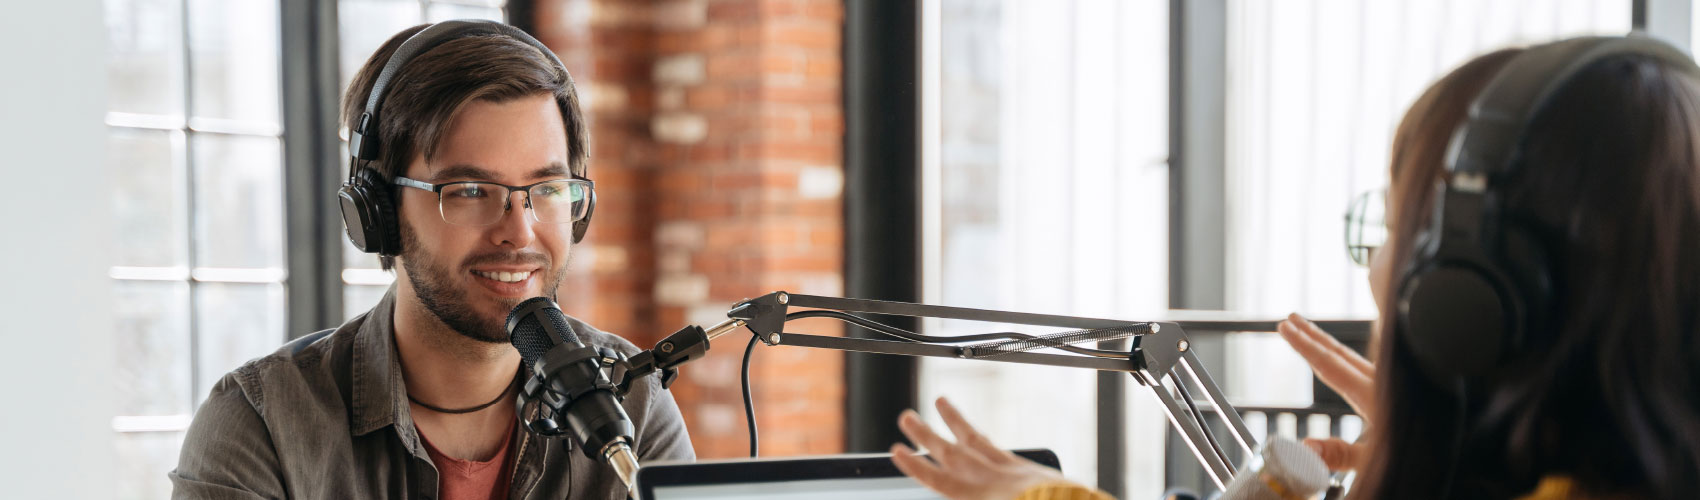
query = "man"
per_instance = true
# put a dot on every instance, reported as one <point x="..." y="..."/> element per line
<point x="414" y="399"/>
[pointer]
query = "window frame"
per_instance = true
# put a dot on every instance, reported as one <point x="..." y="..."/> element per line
<point x="312" y="276"/>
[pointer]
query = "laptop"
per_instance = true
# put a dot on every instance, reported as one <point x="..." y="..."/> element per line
<point x="832" y="477"/>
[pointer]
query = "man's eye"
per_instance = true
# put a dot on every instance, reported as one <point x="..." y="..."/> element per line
<point x="468" y="192"/>
<point x="548" y="191"/>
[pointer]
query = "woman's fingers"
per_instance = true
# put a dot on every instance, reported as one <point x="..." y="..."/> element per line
<point x="918" y="432"/>
<point x="920" y="468"/>
<point x="1337" y="453"/>
<point x="970" y="469"/>
<point x="943" y="451"/>
<point x="1327" y="362"/>
<point x="1332" y="344"/>
<point x="1336" y="365"/>
<point x="966" y="435"/>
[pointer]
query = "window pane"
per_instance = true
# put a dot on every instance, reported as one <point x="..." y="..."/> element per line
<point x="152" y="339"/>
<point x="365" y="24"/>
<point x="1314" y="94"/>
<point x="494" y="4"/>
<point x="439" y="12"/>
<point x="238" y="201"/>
<point x="236" y="322"/>
<point x="235" y="67"/>
<point x="144" y="459"/>
<point x="145" y="60"/>
<point x="353" y="258"/>
<point x="148" y="200"/>
<point x="1051" y="196"/>
<point x="358" y="299"/>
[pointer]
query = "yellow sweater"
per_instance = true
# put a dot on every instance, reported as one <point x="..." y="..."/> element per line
<point x="1558" y="488"/>
<point x="1550" y="488"/>
<point x="1062" y="490"/>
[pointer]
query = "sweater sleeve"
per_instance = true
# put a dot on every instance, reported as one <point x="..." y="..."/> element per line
<point x="1062" y="490"/>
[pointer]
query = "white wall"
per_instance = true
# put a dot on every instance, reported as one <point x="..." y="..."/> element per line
<point x="56" y="351"/>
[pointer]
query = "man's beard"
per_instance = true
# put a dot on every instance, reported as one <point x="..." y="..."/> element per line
<point x="434" y="283"/>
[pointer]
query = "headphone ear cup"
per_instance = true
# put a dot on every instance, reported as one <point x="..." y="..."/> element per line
<point x="582" y="226"/>
<point x="1455" y="320"/>
<point x="1523" y="256"/>
<point x="368" y="215"/>
<point x="387" y="226"/>
<point x="356" y="216"/>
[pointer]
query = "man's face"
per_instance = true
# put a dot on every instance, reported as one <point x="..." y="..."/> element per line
<point x="471" y="277"/>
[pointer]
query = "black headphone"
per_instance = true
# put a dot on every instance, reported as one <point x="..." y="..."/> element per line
<point x="1479" y="278"/>
<point x="367" y="210"/>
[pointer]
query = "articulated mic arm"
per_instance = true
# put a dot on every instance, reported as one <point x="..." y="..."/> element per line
<point x="1160" y="357"/>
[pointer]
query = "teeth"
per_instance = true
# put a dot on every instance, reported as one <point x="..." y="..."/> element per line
<point x="506" y="277"/>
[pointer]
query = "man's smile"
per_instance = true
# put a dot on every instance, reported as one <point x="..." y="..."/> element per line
<point x="506" y="281"/>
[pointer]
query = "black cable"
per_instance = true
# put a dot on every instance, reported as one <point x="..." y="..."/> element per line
<point x="930" y="339"/>
<point x="892" y="330"/>
<point x="1458" y="424"/>
<point x="749" y="403"/>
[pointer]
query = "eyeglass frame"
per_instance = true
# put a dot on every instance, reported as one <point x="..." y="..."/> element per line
<point x="1357" y="220"/>
<point x="507" y="203"/>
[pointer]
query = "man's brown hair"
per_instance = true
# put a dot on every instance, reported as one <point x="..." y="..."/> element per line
<point x="425" y="94"/>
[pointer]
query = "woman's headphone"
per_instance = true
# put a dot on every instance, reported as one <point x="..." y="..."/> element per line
<point x="1478" y="277"/>
<point x="367" y="210"/>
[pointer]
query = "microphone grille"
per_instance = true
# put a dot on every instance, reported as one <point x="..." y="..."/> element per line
<point x="1300" y="467"/>
<point x="526" y="329"/>
<point x="1288" y="470"/>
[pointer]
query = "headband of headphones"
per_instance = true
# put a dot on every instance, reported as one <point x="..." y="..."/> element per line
<point x="1477" y="278"/>
<point x="363" y="140"/>
<point x="1486" y="146"/>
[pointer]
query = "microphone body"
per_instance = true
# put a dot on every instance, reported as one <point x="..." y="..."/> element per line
<point x="1285" y="470"/>
<point x="567" y="379"/>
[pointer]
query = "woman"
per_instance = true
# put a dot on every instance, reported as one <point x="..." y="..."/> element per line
<point x="1600" y="397"/>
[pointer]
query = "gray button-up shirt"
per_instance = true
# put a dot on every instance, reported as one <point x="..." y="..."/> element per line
<point x="329" y="418"/>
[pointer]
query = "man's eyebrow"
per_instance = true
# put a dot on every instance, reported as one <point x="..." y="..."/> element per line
<point x="476" y="173"/>
<point x="464" y="172"/>
<point x="555" y="169"/>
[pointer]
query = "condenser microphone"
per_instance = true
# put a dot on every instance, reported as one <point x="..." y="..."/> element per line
<point x="1284" y="470"/>
<point x="567" y="378"/>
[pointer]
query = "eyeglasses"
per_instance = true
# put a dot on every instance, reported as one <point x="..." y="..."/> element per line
<point x="1366" y="225"/>
<point x="477" y="204"/>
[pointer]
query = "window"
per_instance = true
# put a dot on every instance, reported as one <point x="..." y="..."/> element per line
<point x="194" y="120"/>
<point x="195" y="141"/>
<point x="1315" y="90"/>
<point x="1046" y="179"/>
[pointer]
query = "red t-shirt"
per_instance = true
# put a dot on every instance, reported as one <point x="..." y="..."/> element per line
<point x="468" y="480"/>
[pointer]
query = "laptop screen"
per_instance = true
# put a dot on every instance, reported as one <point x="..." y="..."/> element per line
<point x="819" y="478"/>
<point x="902" y="488"/>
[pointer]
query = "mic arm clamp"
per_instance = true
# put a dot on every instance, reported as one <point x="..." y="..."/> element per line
<point x="683" y="346"/>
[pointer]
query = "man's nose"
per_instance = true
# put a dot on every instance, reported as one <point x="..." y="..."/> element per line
<point x="508" y="208"/>
<point x="515" y="226"/>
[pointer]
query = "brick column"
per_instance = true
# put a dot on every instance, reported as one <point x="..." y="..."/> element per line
<point x="717" y="152"/>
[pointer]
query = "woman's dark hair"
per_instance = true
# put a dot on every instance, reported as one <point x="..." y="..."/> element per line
<point x="1608" y="393"/>
<point x="426" y="93"/>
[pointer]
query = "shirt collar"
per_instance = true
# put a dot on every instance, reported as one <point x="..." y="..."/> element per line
<point x="380" y="397"/>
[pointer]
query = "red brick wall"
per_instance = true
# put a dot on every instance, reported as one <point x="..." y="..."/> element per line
<point x="717" y="130"/>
